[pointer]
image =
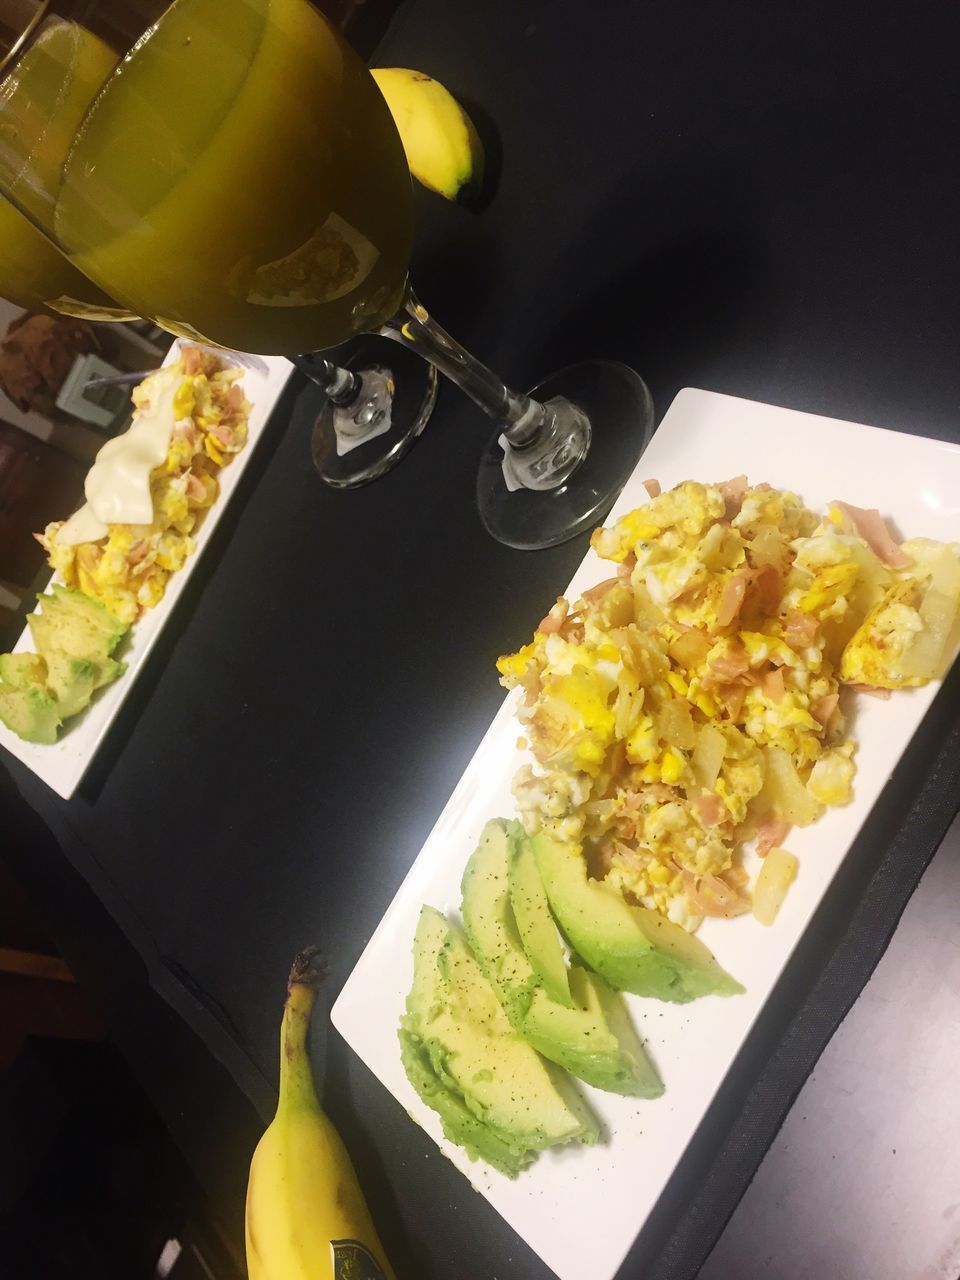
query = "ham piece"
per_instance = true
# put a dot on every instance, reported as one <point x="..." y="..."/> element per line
<point x="872" y="528"/>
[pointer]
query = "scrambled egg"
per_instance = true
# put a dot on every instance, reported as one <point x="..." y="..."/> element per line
<point x="128" y="569"/>
<point x="691" y="702"/>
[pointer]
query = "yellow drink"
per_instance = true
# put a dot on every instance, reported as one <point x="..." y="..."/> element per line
<point x="42" y="102"/>
<point x="36" y="276"/>
<point x="240" y="178"/>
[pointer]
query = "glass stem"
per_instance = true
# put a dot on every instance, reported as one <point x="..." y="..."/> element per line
<point x="413" y="327"/>
<point x="340" y="386"/>
<point x="543" y="444"/>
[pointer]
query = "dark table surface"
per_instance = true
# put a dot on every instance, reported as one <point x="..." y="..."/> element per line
<point x="760" y="200"/>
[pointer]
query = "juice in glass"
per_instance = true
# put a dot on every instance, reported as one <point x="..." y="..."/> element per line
<point x="239" y="178"/>
<point x="42" y="102"/>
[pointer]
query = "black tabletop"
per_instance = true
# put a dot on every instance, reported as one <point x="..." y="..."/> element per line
<point x="760" y="200"/>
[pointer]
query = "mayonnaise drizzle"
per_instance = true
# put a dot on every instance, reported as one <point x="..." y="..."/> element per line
<point x="83" y="526"/>
<point x="118" y="484"/>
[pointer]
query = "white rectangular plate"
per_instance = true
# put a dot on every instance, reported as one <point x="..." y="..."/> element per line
<point x="63" y="764"/>
<point x="580" y="1209"/>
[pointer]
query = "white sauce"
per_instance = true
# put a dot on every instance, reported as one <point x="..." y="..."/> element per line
<point x="118" y="484"/>
<point x="83" y="526"/>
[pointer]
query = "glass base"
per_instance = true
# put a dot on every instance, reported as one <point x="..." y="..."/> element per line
<point x="619" y="407"/>
<point x="399" y="391"/>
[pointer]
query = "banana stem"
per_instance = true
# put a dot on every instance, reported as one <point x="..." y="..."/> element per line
<point x="297" y="1086"/>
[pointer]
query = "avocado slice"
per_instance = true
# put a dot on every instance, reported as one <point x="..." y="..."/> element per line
<point x="489" y="922"/>
<point x="538" y="933"/>
<point x="460" y="1125"/>
<point x="596" y="1040"/>
<point x="107" y="670"/>
<point x="75" y="624"/>
<point x="516" y="1090"/>
<point x="74" y="636"/>
<point x="593" y="1037"/>
<point x="31" y="713"/>
<point x="71" y="681"/>
<point x="21" y="670"/>
<point x="456" y="1020"/>
<point x="634" y="948"/>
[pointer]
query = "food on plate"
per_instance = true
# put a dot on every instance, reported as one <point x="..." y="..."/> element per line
<point x="535" y="924"/>
<point x="146" y="493"/>
<point x="690" y="701"/>
<point x="778" y="872"/>
<point x="590" y="1033"/>
<point x="71" y="622"/>
<point x="635" y="948"/>
<point x="148" y="489"/>
<point x="75" y="638"/>
<point x="306" y="1215"/>
<point x="30" y="711"/>
<point x="482" y="1027"/>
<point x="685" y="706"/>
<point x="494" y="1094"/>
<point x="905" y="638"/>
<point x="441" y="144"/>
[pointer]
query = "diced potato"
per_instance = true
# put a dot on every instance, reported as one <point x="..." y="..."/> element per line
<point x="923" y="659"/>
<point x="675" y="724"/>
<point x="645" y="611"/>
<point x="644" y="656"/>
<point x="616" y="607"/>
<point x="946" y="573"/>
<point x="707" y="757"/>
<point x="769" y="546"/>
<point x="777" y="874"/>
<point x="629" y="704"/>
<point x="690" y="649"/>
<point x="786" y="791"/>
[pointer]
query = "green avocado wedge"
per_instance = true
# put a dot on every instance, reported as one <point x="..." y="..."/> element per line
<point x="460" y="1125"/>
<point x="22" y="670"/>
<point x="489" y="922"/>
<point x="591" y="1036"/>
<point x="633" y="948"/>
<point x="71" y="681"/>
<point x="531" y="910"/>
<point x="596" y="1040"/>
<point x="75" y="624"/>
<point x="75" y="636"/>
<point x="32" y="714"/>
<point x="455" y="1026"/>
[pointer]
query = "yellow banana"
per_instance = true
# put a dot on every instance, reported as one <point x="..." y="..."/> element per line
<point x="306" y="1215"/>
<point x="441" y="143"/>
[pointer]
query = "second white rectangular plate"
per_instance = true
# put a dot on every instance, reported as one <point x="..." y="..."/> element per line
<point x="580" y="1209"/>
<point x="63" y="764"/>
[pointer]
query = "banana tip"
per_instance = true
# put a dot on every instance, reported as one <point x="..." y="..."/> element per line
<point x="309" y="969"/>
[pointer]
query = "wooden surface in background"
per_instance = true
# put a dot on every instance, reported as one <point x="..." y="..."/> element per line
<point x="37" y="993"/>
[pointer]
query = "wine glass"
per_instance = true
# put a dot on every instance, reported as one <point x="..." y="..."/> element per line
<point x="370" y="416"/>
<point x="237" y="177"/>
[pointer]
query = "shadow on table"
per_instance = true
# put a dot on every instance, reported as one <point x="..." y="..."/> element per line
<point x="483" y="195"/>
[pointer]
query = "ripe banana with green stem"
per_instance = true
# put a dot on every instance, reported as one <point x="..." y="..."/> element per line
<point x="443" y="149"/>
<point x="306" y="1216"/>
